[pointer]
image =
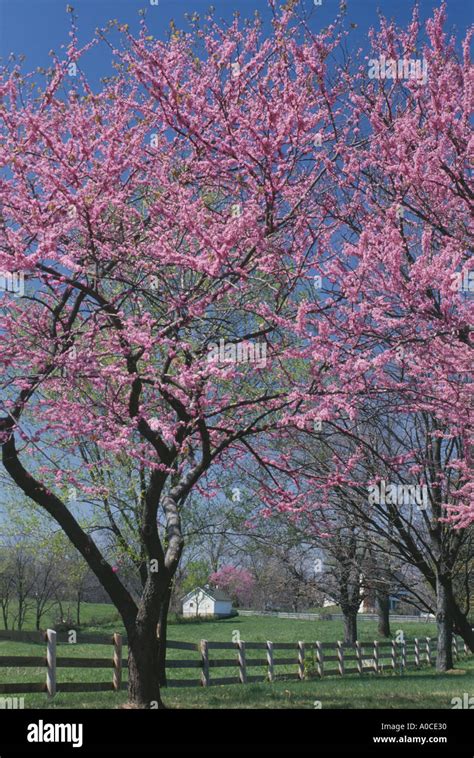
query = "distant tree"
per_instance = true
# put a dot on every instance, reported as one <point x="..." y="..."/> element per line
<point x="46" y="583"/>
<point x="238" y="582"/>
<point x="197" y="573"/>
<point x="7" y="585"/>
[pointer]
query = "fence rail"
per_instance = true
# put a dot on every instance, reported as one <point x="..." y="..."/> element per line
<point x="331" y="616"/>
<point x="308" y="659"/>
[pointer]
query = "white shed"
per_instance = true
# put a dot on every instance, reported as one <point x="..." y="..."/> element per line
<point x="207" y="601"/>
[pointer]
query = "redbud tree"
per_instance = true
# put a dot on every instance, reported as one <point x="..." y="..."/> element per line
<point x="405" y="308"/>
<point x="238" y="582"/>
<point x="173" y="231"/>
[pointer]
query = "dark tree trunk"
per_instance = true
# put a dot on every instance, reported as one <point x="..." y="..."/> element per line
<point x="350" y="626"/>
<point x="162" y="636"/>
<point x="444" y="623"/>
<point x="78" y="609"/>
<point x="143" y="663"/>
<point x="5" y="616"/>
<point x="382" y="602"/>
<point x="60" y="606"/>
<point x="460" y="622"/>
<point x="143" y="644"/>
<point x="21" y="614"/>
<point x="463" y="626"/>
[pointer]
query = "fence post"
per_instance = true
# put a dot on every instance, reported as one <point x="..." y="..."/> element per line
<point x="358" y="656"/>
<point x="117" y="679"/>
<point x="51" y="662"/>
<point x="340" y="657"/>
<point x="270" y="660"/>
<point x="376" y="656"/>
<point x="204" y="646"/>
<point x="403" y="660"/>
<point x="301" y="660"/>
<point x="320" y="659"/>
<point x="428" y="651"/>
<point x="417" y="652"/>
<point x="394" y="655"/>
<point x="242" y="666"/>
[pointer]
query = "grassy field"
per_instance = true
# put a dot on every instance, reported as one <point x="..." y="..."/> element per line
<point x="94" y="617"/>
<point x="422" y="688"/>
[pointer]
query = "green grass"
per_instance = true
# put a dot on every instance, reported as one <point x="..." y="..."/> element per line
<point x="263" y="628"/>
<point x="94" y="616"/>
<point x="423" y="688"/>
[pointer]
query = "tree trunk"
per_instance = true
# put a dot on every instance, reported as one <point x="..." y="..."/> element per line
<point x="162" y="635"/>
<point x="444" y="623"/>
<point x="144" y="645"/>
<point x="382" y="602"/>
<point x="461" y="624"/>
<point x="5" y="615"/>
<point x="143" y="666"/>
<point x="78" y="609"/>
<point x="350" y="626"/>
<point x="60" y="606"/>
<point x="20" y="613"/>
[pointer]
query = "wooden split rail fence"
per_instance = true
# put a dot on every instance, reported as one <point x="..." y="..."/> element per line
<point x="51" y="661"/>
<point x="308" y="660"/>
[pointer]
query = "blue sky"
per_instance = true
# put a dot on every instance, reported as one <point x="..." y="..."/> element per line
<point x="33" y="27"/>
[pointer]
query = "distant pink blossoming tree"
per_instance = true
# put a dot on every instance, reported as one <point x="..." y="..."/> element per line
<point x="239" y="583"/>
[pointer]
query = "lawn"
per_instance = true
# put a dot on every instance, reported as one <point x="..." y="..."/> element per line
<point x="102" y="617"/>
<point x="422" y="688"/>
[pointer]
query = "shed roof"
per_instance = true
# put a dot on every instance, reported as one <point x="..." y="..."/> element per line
<point x="213" y="592"/>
